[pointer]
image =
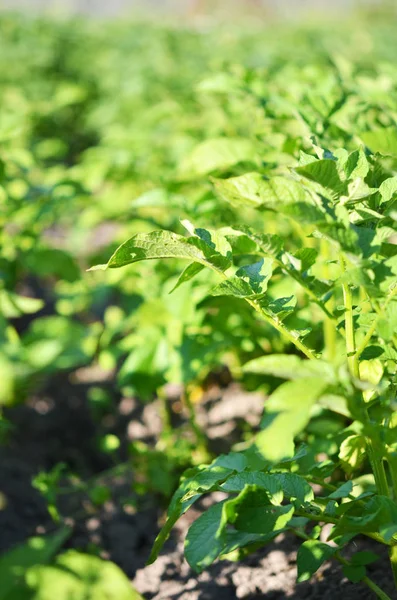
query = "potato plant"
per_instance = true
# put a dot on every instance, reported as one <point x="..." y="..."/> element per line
<point x="342" y="204"/>
<point x="266" y="159"/>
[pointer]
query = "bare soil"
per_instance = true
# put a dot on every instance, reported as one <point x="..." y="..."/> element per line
<point x="57" y="425"/>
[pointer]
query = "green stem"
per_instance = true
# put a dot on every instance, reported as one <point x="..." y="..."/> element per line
<point x="275" y="322"/>
<point x="393" y="562"/>
<point x="325" y="519"/>
<point x="282" y="329"/>
<point x="368" y="582"/>
<point x="375" y="588"/>
<point x="352" y="360"/>
<point x="310" y="293"/>
<point x="392" y="462"/>
<point x="329" y="326"/>
<point x="380" y="314"/>
<point x="378" y="468"/>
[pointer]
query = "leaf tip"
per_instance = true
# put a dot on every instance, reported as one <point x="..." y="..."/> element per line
<point x="98" y="268"/>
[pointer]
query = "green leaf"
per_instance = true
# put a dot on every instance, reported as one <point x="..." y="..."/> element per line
<point x="382" y="140"/>
<point x="388" y="188"/>
<point x="303" y="259"/>
<point x="234" y="286"/>
<point x="206" y="538"/>
<point x="354" y="573"/>
<point x="269" y="482"/>
<point x="311" y="555"/>
<point x="379" y="515"/>
<point x="252" y="512"/>
<point x="281" y="194"/>
<point x="248" y="189"/>
<point x="287" y="411"/>
<point x="257" y="275"/>
<point x="187" y="274"/>
<point x="166" y="244"/>
<point x="269" y="244"/>
<point x="216" y="155"/>
<point x="325" y="173"/>
<point x="240" y="539"/>
<point x="81" y="577"/>
<point x="193" y="484"/>
<point x="352" y="453"/>
<point x="37" y="550"/>
<point x="357" y="165"/>
<point x="13" y="306"/>
<point x="364" y="558"/>
<point x="343" y="491"/>
<point x="295" y="487"/>
<point x="289" y="366"/>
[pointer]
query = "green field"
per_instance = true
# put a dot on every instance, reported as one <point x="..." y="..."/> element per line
<point x="260" y="160"/>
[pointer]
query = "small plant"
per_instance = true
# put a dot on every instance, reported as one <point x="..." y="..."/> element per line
<point x="339" y="328"/>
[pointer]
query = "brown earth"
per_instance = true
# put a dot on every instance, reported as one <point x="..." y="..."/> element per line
<point x="56" y="425"/>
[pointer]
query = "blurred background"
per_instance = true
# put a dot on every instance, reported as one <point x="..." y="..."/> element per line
<point x="281" y="8"/>
<point x="109" y="127"/>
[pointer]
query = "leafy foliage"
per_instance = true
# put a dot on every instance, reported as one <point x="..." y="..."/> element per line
<point x="271" y="169"/>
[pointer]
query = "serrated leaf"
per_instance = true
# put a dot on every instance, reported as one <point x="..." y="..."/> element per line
<point x="311" y="555"/>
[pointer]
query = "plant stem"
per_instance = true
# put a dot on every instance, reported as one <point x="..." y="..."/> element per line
<point x="333" y="521"/>
<point x="393" y="562"/>
<point x="281" y="328"/>
<point x="275" y="322"/>
<point x="368" y="582"/>
<point x="376" y="589"/>
<point x="392" y="462"/>
<point x="380" y="314"/>
<point x="329" y="323"/>
<point x="375" y="456"/>
<point x="352" y="360"/>
<point x="378" y="468"/>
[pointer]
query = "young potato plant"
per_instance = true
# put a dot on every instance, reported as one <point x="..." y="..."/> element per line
<point x="339" y="367"/>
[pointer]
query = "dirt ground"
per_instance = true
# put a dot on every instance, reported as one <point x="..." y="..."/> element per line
<point x="56" y="425"/>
